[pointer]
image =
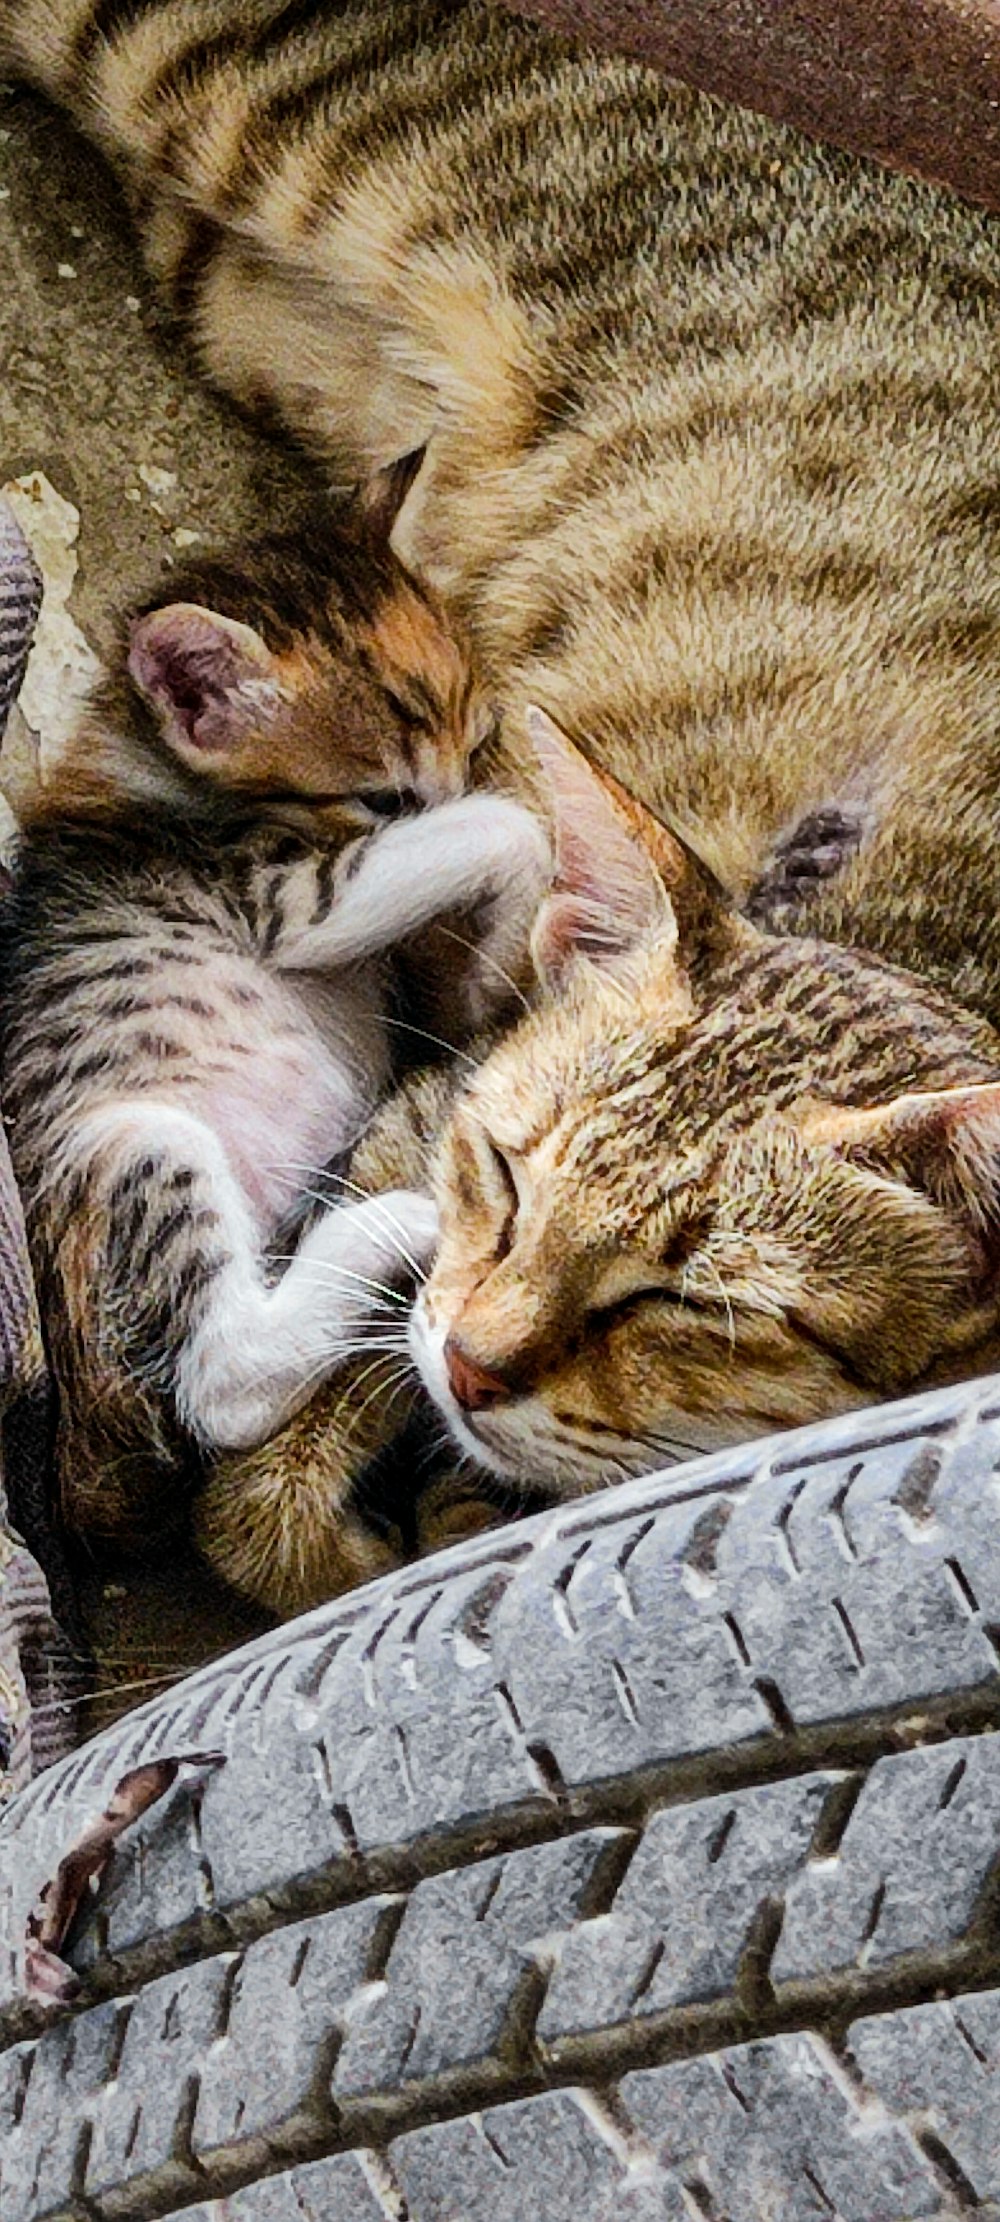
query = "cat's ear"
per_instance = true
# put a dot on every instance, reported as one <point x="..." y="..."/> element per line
<point x="209" y="680"/>
<point x="944" y="1142"/>
<point x="383" y="495"/>
<point x="620" y="876"/>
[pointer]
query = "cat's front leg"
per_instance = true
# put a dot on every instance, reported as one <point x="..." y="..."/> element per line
<point x="480" y="856"/>
<point x="261" y="1352"/>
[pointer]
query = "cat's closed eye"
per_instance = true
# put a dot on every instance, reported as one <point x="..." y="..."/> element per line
<point x="411" y="719"/>
<point x="686" y="1240"/>
<point x="618" y="1309"/>
<point x="502" y="1192"/>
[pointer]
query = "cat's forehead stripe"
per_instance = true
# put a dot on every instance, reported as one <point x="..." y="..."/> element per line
<point x="852" y="1040"/>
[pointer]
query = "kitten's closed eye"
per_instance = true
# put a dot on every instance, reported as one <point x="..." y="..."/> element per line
<point x="388" y="802"/>
<point x="415" y="715"/>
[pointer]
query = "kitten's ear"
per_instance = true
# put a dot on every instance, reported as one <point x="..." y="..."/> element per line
<point x="620" y="876"/>
<point x="382" y="497"/>
<point x="209" y="681"/>
<point x="945" y="1142"/>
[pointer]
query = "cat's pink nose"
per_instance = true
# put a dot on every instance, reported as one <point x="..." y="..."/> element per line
<point x="474" y="1387"/>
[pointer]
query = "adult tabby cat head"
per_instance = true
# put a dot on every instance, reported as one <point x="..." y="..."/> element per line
<point x="718" y="1184"/>
<point x="311" y="672"/>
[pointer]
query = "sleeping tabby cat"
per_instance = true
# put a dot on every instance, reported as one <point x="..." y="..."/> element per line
<point x="198" y="995"/>
<point x="712" y="426"/>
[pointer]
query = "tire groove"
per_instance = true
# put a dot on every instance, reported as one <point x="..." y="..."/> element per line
<point x="648" y="1791"/>
<point x="377" y="2130"/>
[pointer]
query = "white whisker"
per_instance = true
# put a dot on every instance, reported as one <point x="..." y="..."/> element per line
<point x="343" y="1273"/>
<point x="101" y="1692"/>
<point x="485" y="957"/>
<point x="365" y="1195"/>
<point x="724" y="1294"/>
<point x="357" y="1382"/>
<point x="437" y="1041"/>
<point x="391" y="1388"/>
<point x="388" y="1220"/>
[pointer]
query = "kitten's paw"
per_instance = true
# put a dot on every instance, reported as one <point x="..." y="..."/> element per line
<point x="387" y="1238"/>
<point x="407" y="1225"/>
<point x="497" y="964"/>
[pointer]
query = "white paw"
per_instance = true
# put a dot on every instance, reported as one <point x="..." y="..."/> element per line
<point x="389" y="1237"/>
<point x="502" y="924"/>
<point x="357" y="1255"/>
<point x="405" y="1224"/>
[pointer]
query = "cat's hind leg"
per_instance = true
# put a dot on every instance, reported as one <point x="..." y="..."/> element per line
<point x="186" y="1305"/>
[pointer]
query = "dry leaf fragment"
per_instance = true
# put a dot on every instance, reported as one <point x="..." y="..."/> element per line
<point x="47" y="1978"/>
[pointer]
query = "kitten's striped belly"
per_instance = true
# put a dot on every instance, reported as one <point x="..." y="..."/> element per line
<point x="285" y="1073"/>
<point x="290" y="1097"/>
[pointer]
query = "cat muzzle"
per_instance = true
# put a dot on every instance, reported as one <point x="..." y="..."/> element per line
<point x="472" y="1385"/>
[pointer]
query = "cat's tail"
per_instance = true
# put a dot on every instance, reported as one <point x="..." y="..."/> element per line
<point x="302" y="256"/>
<point x="103" y="62"/>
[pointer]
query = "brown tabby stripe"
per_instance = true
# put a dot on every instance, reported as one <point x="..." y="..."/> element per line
<point x="497" y="161"/>
<point x="289" y="79"/>
<point x="412" y="109"/>
<point x="188" y="83"/>
<point x="107" y="21"/>
<point x="377" y="48"/>
<point x="412" y="74"/>
<point x="263" y="30"/>
<point x="652" y="564"/>
<point x="325" y="878"/>
<point x="189" y="74"/>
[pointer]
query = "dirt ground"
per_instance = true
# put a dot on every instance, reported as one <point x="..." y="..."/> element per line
<point x="95" y="389"/>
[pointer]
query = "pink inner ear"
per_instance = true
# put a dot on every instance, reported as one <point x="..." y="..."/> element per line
<point x="183" y="691"/>
<point x="567" y="924"/>
<point x="189" y="667"/>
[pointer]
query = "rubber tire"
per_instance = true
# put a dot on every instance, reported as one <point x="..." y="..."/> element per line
<point x="637" y="1861"/>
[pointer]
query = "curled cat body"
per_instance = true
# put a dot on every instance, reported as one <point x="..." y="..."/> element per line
<point x="710" y="412"/>
<point x="712" y="431"/>
<point x="200" y="991"/>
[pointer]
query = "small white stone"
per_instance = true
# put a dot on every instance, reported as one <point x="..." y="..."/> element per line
<point x="133" y="303"/>
<point x="157" y="481"/>
<point x="77" y="231"/>
<point x="4" y="192"/>
<point x="66" y="270"/>
<point x="184" y="537"/>
<point x="132" y="493"/>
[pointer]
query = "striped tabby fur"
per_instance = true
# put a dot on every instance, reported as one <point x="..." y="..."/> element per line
<point x="714" y="423"/>
<point x="712" y="420"/>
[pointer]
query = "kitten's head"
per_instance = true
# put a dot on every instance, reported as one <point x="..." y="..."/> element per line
<point x="309" y="672"/>
<point x="718" y="1184"/>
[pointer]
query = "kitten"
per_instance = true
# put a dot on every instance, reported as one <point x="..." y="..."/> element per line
<point x="198" y="995"/>
<point x="713" y="447"/>
<point x="293" y="1522"/>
